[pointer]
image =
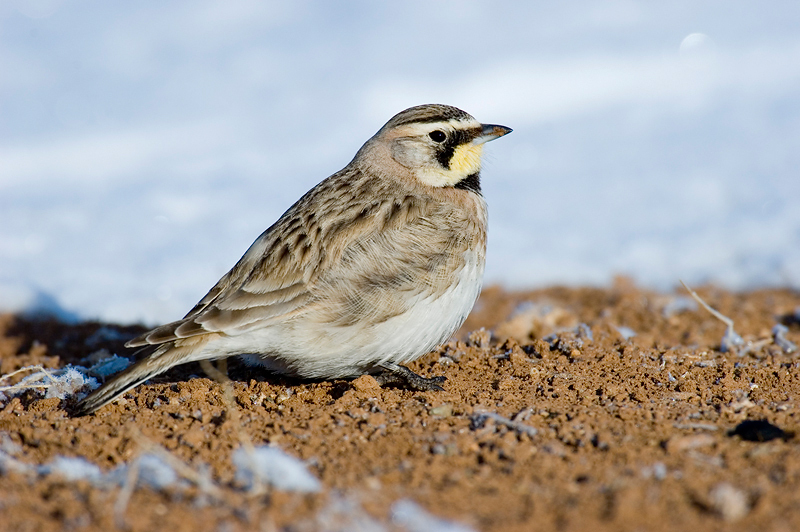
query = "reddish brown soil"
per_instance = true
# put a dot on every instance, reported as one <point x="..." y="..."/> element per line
<point x="630" y="434"/>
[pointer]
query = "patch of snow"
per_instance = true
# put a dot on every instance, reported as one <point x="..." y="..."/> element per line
<point x="626" y="332"/>
<point x="414" y="518"/>
<point x="109" y="366"/>
<point x="270" y="465"/>
<point x="19" y="297"/>
<point x="152" y="472"/>
<point x="72" y="469"/>
<point x="344" y="513"/>
<point x="68" y="382"/>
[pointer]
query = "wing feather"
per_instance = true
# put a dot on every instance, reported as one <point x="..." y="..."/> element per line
<point x="277" y="276"/>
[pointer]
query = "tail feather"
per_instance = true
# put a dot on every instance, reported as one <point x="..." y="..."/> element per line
<point x="131" y="377"/>
<point x="160" y="360"/>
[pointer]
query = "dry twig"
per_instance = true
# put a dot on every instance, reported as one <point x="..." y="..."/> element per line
<point x="731" y="341"/>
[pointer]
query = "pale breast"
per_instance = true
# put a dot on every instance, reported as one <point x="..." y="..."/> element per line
<point x="317" y="349"/>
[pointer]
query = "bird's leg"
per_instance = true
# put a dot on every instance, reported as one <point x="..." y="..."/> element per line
<point x="389" y="373"/>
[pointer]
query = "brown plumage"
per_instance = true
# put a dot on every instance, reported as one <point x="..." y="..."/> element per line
<point x="371" y="268"/>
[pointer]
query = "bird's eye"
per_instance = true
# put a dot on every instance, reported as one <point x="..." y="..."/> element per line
<point x="437" y="136"/>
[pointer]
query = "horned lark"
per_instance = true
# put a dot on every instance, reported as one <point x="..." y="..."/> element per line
<point x="372" y="268"/>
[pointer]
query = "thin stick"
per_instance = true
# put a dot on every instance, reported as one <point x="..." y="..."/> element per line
<point x="731" y="340"/>
<point x="20" y="370"/>
<point x="515" y="425"/>
<point x="41" y="374"/>
<point x="227" y="397"/>
<point x="124" y="495"/>
<point x="21" y="386"/>
<point x="721" y="317"/>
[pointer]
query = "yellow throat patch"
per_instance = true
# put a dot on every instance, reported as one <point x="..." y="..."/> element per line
<point x="466" y="160"/>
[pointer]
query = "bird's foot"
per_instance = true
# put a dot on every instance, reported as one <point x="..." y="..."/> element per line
<point x="402" y="376"/>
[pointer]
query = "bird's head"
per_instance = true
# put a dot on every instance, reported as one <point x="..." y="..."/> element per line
<point x="439" y="145"/>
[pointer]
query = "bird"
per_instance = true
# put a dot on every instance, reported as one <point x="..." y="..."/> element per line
<point x="372" y="268"/>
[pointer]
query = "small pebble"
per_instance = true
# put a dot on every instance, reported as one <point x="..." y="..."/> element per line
<point x="685" y="443"/>
<point x="445" y="410"/>
<point x="729" y="502"/>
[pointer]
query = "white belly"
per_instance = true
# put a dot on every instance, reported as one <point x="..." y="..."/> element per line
<point x="314" y="350"/>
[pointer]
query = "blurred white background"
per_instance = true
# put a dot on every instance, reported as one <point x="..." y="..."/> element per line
<point x="144" y="145"/>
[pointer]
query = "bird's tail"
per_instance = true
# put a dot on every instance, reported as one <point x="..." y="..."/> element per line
<point x="157" y="362"/>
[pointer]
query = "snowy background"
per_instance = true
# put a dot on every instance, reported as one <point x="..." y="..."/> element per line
<point x="144" y="145"/>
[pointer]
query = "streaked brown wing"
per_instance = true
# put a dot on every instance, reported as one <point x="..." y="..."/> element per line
<point x="276" y="276"/>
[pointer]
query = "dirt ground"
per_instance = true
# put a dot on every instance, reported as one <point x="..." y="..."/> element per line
<point x="584" y="430"/>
